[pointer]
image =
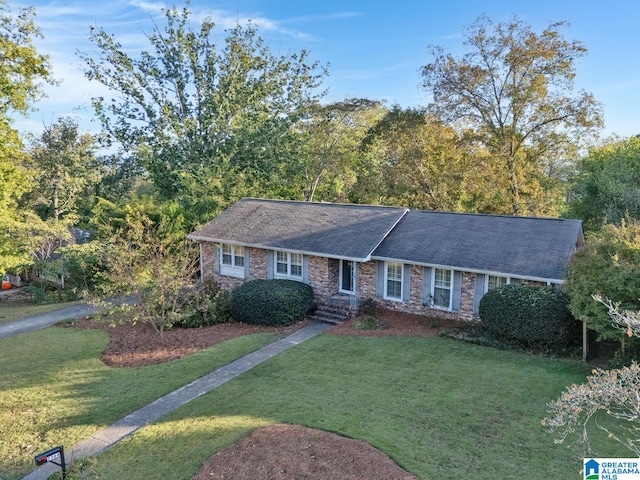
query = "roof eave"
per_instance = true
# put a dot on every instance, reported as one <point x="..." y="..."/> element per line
<point x="531" y="278"/>
<point x="198" y="238"/>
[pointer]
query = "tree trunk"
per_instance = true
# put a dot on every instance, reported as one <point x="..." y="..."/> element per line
<point x="56" y="204"/>
<point x="514" y="186"/>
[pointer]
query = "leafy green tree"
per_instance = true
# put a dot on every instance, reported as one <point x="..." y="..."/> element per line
<point x="120" y="178"/>
<point x="13" y="184"/>
<point x="81" y="265"/>
<point x="143" y="261"/>
<point x="332" y="135"/>
<point x="609" y="265"/>
<point x="39" y="239"/>
<point x="606" y="188"/>
<point x="22" y="71"/>
<point x="64" y="168"/>
<point x="209" y="123"/>
<point x="22" y="68"/>
<point x="514" y="91"/>
<point x="411" y="158"/>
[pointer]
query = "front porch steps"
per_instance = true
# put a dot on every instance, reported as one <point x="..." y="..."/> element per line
<point x="333" y="310"/>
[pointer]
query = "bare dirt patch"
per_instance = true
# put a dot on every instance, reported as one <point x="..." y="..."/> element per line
<point x="278" y="452"/>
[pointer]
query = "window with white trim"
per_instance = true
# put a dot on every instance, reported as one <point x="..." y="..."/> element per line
<point x="393" y="280"/>
<point x="232" y="260"/>
<point x="289" y="265"/>
<point x="442" y="288"/>
<point x="494" y="281"/>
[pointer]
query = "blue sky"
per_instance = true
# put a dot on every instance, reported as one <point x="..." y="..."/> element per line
<point x="374" y="48"/>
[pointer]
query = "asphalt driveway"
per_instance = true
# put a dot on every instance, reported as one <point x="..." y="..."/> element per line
<point x="48" y="319"/>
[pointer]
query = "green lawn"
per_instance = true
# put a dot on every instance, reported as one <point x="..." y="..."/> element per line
<point x="9" y="312"/>
<point x="54" y="390"/>
<point x="439" y="408"/>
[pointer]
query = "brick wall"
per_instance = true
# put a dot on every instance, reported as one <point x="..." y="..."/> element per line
<point x="258" y="264"/>
<point x="211" y="266"/>
<point x="323" y="272"/>
<point x="367" y="289"/>
<point x="417" y="279"/>
<point x="208" y="260"/>
<point x="367" y="279"/>
<point x="467" y="296"/>
<point x="324" y="275"/>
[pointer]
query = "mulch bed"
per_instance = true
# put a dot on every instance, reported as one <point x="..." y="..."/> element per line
<point x="140" y="345"/>
<point x="398" y="324"/>
<point x="285" y="452"/>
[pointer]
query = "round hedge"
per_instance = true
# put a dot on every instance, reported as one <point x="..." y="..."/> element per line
<point x="271" y="302"/>
<point x="530" y="316"/>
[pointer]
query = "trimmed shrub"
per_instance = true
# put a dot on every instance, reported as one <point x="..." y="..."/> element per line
<point x="531" y="317"/>
<point x="208" y="306"/>
<point x="271" y="302"/>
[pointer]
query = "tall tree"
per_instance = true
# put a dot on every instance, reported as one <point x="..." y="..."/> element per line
<point x="515" y="90"/>
<point x="411" y="158"/>
<point x="64" y="167"/>
<point x="209" y="123"/>
<point x="14" y="182"/>
<point x="332" y="135"/>
<point x="22" y="69"/>
<point x="606" y="188"/>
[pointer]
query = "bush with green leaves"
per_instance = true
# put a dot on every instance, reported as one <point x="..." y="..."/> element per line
<point x="530" y="316"/>
<point x="608" y="265"/>
<point x="209" y="305"/>
<point x="82" y="265"/>
<point x="271" y="302"/>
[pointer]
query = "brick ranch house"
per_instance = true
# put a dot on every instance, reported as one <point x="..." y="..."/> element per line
<point x="425" y="262"/>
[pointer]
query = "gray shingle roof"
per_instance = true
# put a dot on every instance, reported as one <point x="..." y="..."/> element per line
<point x="536" y="248"/>
<point x="324" y="229"/>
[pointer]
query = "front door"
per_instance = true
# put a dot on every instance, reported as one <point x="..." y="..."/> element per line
<point x="347" y="276"/>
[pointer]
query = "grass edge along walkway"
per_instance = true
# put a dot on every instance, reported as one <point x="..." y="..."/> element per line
<point x="163" y="405"/>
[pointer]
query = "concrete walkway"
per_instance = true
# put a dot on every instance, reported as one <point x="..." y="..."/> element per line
<point x="152" y="412"/>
